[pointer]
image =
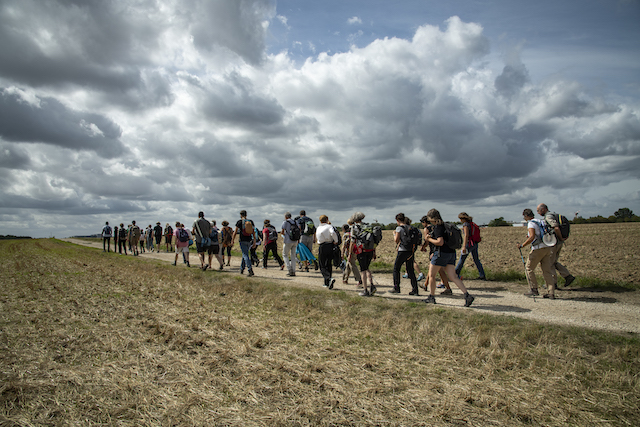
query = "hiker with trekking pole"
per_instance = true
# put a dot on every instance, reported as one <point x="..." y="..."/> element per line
<point x="542" y="241"/>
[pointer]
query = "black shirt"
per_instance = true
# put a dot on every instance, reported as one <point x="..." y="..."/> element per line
<point x="439" y="231"/>
<point x="240" y="227"/>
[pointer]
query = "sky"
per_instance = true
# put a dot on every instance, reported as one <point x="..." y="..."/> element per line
<point x="154" y="110"/>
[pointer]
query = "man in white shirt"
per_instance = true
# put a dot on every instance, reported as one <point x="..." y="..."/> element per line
<point x="327" y="239"/>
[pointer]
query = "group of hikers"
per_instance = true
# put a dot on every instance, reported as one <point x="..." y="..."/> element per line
<point x="353" y="248"/>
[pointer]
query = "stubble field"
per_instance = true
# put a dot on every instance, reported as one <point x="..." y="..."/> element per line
<point x="605" y="253"/>
<point x="92" y="338"/>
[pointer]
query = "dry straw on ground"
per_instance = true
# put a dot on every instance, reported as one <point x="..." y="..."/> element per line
<point x="90" y="338"/>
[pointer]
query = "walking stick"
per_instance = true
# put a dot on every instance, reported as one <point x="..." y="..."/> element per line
<point x="525" y="271"/>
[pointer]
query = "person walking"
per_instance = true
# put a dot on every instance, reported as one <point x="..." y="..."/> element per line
<point x="308" y="236"/>
<point x="201" y="229"/>
<point x="405" y="255"/>
<point x="470" y="241"/>
<point x="363" y="254"/>
<point x="270" y="242"/>
<point x="214" y="247"/>
<point x="227" y="242"/>
<point x="182" y="243"/>
<point x="106" y="237"/>
<point x="552" y="219"/>
<point x="122" y="239"/>
<point x="134" y="238"/>
<point x="168" y="237"/>
<point x="157" y="233"/>
<point x="347" y="255"/>
<point x="540" y="254"/>
<point x="291" y="235"/>
<point x="444" y="257"/>
<point x="245" y="229"/>
<point x="327" y="238"/>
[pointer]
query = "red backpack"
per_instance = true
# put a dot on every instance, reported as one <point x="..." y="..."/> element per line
<point x="475" y="233"/>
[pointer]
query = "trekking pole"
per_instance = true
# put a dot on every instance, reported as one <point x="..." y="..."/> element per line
<point x="525" y="271"/>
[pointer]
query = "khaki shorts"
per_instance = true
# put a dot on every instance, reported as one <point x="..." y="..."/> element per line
<point x="184" y="249"/>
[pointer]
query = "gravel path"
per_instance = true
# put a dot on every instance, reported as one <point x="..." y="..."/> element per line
<point x="595" y="310"/>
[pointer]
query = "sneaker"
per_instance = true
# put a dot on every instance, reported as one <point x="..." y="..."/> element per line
<point x="549" y="296"/>
<point x="373" y="290"/>
<point x="394" y="291"/>
<point x="173" y="263"/>
<point x="205" y="267"/>
<point x="430" y="299"/>
<point x="291" y="274"/>
<point x="482" y="278"/>
<point x="221" y="267"/>
<point x="242" y="271"/>
<point x="250" y="273"/>
<point x="447" y="292"/>
<point x="440" y="285"/>
<point x="405" y="276"/>
<point x="331" y="282"/>
<point x="188" y="265"/>
<point x="532" y="293"/>
<point x="420" y="277"/>
<point x="468" y="300"/>
<point x="568" y="280"/>
<point x="414" y="293"/>
<point x="365" y="294"/>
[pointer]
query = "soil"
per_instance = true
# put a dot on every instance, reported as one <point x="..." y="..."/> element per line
<point x="617" y="311"/>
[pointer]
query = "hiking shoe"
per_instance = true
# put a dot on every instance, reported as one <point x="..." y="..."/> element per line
<point x="420" y="277"/>
<point x="188" y="265"/>
<point x="549" y="296"/>
<point x="430" y="299"/>
<point x="412" y="293"/>
<point x="221" y="267"/>
<point x="365" y="294"/>
<point x="291" y="274"/>
<point x="331" y="282"/>
<point x="440" y="285"/>
<point x="447" y="292"/>
<point x="568" y="280"/>
<point x="532" y="293"/>
<point x="205" y="267"/>
<point x="373" y="290"/>
<point x="468" y="300"/>
<point x="394" y="291"/>
<point x="250" y="273"/>
<point x="173" y="263"/>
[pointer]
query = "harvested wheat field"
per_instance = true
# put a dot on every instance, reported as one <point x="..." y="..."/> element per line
<point x="89" y="338"/>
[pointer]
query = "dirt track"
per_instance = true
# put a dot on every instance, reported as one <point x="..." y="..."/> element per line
<point x="599" y="310"/>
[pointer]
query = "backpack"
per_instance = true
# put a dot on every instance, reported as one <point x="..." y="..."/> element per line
<point x="563" y="223"/>
<point x="474" y="230"/>
<point x="247" y="228"/>
<point x="107" y="229"/>
<point x="273" y="233"/>
<point x="294" y="231"/>
<point x="214" y="237"/>
<point x="453" y="236"/>
<point x="122" y="234"/>
<point x="135" y="231"/>
<point x="368" y="236"/>
<point x="545" y="230"/>
<point x="339" y="236"/>
<point x="169" y="231"/>
<point x="183" y="236"/>
<point x="226" y="236"/>
<point x="308" y="226"/>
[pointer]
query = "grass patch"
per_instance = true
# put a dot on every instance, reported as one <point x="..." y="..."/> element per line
<point x="92" y="339"/>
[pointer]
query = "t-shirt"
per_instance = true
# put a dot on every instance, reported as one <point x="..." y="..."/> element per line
<point x="286" y="227"/>
<point x="240" y="227"/>
<point x="106" y="231"/>
<point x="157" y="231"/>
<point x="440" y="231"/>
<point x="537" y="243"/>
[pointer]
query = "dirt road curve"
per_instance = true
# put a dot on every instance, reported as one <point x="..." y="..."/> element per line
<point x="598" y="310"/>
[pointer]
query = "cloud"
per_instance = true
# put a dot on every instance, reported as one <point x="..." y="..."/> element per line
<point x="354" y="20"/>
<point x="191" y="112"/>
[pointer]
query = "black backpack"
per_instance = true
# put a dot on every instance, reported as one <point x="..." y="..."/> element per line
<point x="565" y="226"/>
<point x="294" y="231"/>
<point x="122" y="234"/>
<point x="453" y="238"/>
<point x="183" y="236"/>
<point x="273" y="233"/>
<point x="214" y="236"/>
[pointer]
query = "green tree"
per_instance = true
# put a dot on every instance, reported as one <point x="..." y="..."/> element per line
<point x="623" y="214"/>
<point x="499" y="222"/>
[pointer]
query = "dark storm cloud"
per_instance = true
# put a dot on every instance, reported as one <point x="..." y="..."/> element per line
<point x="235" y="25"/>
<point x="51" y="122"/>
<point x="84" y="43"/>
<point x="13" y="157"/>
<point x="511" y="81"/>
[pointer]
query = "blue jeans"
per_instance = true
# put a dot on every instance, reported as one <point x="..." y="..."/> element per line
<point x="473" y="250"/>
<point x="246" y="258"/>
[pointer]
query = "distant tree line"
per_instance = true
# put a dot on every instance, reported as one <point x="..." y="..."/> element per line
<point x="621" y="215"/>
<point x="13" y="237"/>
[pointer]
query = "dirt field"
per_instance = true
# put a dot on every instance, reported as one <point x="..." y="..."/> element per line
<point x="93" y="338"/>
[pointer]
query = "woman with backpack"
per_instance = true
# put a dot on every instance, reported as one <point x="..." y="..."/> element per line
<point x="470" y="240"/>
<point x="444" y="257"/>
<point x="270" y="242"/>
<point x="226" y="235"/>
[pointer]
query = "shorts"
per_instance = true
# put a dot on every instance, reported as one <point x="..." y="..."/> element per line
<point x="168" y="238"/>
<point x="214" y="249"/>
<point x="201" y="249"/>
<point x="184" y="249"/>
<point x="364" y="260"/>
<point x="134" y="241"/>
<point x="442" y="259"/>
